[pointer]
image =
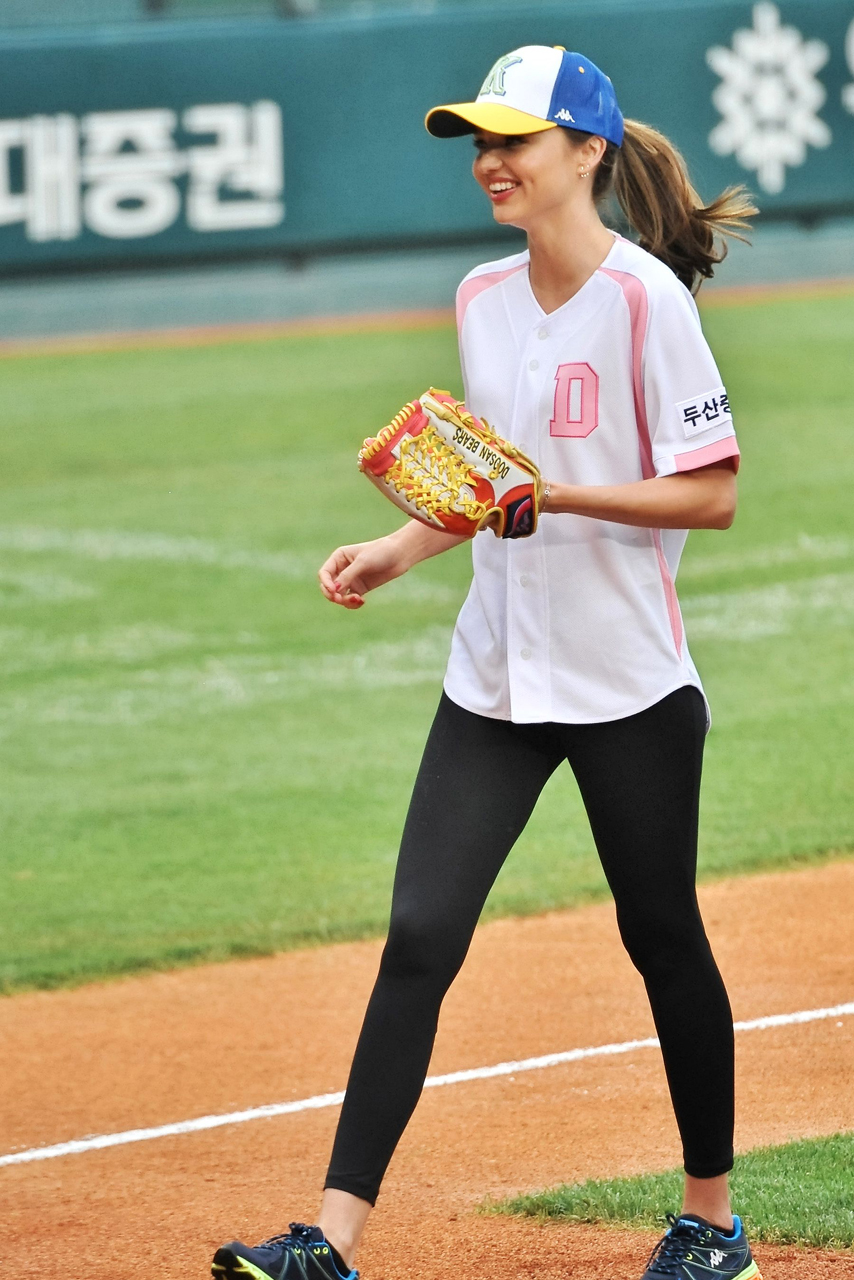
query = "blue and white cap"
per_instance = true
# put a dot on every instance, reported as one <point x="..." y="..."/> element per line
<point x="532" y="89"/>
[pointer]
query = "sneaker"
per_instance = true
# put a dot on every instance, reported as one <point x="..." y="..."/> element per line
<point x="303" y="1253"/>
<point x="695" y="1250"/>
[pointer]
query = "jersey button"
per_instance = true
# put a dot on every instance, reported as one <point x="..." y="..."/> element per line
<point x="524" y="581"/>
<point x="533" y="365"/>
<point x="526" y="653"/>
<point x="543" y="334"/>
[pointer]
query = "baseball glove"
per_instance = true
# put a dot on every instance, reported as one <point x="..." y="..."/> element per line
<point x="448" y="469"/>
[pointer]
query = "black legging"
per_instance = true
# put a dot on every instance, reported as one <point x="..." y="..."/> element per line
<point x="478" y="783"/>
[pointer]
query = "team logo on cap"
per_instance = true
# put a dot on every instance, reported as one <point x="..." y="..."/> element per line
<point x="494" y="82"/>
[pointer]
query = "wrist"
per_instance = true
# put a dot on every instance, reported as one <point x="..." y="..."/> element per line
<point x="564" y="499"/>
<point x="411" y="544"/>
<point x="401" y="542"/>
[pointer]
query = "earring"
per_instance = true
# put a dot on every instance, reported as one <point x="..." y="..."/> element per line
<point x="584" y="173"/>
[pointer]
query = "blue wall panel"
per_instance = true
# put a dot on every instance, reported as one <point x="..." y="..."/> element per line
<point x="87" y="119"/>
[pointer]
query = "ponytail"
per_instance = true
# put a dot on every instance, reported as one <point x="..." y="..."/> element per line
<point x="650" y="180"/>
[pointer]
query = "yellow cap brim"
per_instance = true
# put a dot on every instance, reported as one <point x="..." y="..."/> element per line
<point x="459" y="118"/>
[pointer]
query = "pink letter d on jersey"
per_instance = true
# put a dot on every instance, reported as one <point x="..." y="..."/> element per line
<point x="576" y="411"/>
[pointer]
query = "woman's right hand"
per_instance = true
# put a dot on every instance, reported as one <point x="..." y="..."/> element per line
<point x="350" y="572"/>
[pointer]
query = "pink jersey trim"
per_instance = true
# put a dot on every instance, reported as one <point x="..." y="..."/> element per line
<point x="673" y="611"/>
<point x="638" y="304"/>
<point x="710" y="453"/>
<point x="636" y="300"/>
<point x="469" y="289"/>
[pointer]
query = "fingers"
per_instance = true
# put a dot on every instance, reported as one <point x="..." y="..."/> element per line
<point x="331" y="579"/>
<point x="329" y="571"/>
<point x="336" y="593"/>
<point x="343" y="596"/>
<point x="341" y="557"/>
<point x="349" y="588"/>
<point x="350" y="578"/>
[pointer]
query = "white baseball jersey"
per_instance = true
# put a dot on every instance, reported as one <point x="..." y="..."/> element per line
<point x="580" y="623"/>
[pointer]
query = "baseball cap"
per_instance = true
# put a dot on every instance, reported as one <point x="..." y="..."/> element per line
<point x="532" y="89"/>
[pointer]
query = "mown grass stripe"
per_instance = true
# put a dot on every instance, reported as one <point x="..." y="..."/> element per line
<point x="190" y="734"/>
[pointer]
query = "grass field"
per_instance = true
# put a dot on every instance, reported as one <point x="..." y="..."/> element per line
<point x="201" y="758"/>
<point x="798" y="1193"/>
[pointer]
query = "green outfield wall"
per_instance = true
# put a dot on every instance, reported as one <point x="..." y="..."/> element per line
<point x="191" y="140"/>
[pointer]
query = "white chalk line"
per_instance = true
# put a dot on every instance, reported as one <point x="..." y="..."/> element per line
<point x="104" y="1140"/>
<point x="154" y="546"/>
<point x="116" y="544"/>
<point x="775" y="610"/>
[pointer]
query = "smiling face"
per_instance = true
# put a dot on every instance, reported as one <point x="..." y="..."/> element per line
<point x="533" y="175"/>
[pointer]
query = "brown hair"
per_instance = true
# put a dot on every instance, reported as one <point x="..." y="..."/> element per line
<point x="650" y="180"/>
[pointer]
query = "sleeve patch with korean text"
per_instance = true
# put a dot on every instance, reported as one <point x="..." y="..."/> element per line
<point x="702" y="413"/>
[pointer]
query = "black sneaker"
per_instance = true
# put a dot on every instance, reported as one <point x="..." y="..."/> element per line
<point x="303" y="1253"/>
<point x="695" y="1250"/>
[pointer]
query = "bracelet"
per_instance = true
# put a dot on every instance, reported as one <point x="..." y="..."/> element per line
<point x="547" y="488"/>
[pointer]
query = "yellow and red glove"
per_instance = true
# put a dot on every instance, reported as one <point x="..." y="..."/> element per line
<point x="445" y="467"/>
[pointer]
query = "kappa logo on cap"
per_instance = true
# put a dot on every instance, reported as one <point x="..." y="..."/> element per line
<point x="494" y="82"/>
<point x="563" y="114"/>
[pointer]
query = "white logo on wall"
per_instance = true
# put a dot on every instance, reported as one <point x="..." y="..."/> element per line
<point x="114" y="171"/>
<point x="769" y="97"/>
<point x="848" y="91"/>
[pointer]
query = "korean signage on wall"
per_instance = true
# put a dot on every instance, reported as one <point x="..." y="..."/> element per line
<point x="169" y="140"/>
<point x="116" y="173"/>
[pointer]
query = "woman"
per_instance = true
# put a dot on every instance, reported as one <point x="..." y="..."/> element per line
<point x="585" y="351"/>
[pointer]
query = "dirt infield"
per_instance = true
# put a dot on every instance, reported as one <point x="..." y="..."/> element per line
<point x="170" y="1047"/>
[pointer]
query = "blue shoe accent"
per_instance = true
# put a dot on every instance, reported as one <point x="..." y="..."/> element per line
<point x="695" y="1250"/>
<point x="302" y="1253"/>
